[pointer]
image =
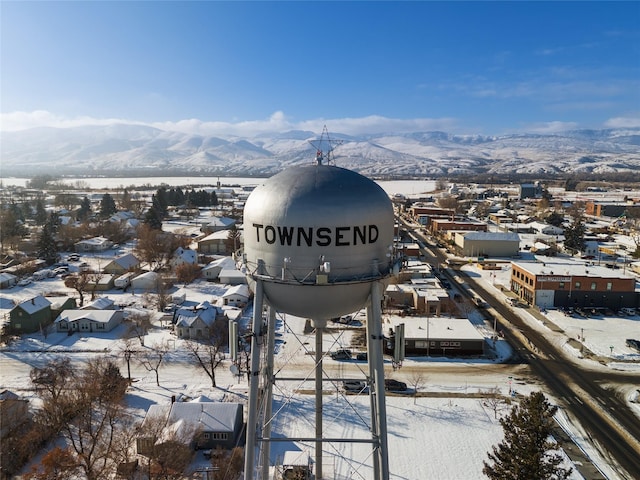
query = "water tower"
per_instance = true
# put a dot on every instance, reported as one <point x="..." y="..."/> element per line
<point x="318" y="244"/>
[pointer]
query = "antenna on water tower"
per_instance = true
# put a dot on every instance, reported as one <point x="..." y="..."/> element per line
<point x="327" y="155"/>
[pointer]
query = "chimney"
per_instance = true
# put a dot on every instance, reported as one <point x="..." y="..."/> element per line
<point x="33" y="301"/>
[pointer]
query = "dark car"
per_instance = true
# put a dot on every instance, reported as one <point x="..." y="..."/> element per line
<point x="633" y="343"/>
<point x="392" y="385"/>
<point x="362" y="356"/>
<point x="342" y="354"/>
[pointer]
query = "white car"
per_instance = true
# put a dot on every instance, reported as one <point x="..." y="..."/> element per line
<point x="25" y="281"/>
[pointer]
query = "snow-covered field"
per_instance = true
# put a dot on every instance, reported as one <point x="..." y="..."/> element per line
<point x="429" y="437"/>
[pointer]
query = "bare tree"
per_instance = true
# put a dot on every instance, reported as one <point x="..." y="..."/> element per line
<point x="128" y="351"/>
<point x="494" y="400"/>
<point x="80" y="283"/>
<point x="167" y="449"/>
<point x="139" y="325"/>
<point x="152" y="357"/>
<point x="417" y="381"/>
<point x="86" y="407"/>
<point x="210" y="353"/>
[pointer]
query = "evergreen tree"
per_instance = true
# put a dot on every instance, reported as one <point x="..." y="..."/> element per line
<point x="47" y="248"/>
<point x="84" y="210"/>
<point x="40" y="214"/>
<point x="555" y="219"/>
<point x="524" y="454"/>
<point x="574" y="235"/>
<point x="107" y="206"/>
<point x="125" y="200"/>
<point x="160" y="201"/>
<point x="153" y="218"/>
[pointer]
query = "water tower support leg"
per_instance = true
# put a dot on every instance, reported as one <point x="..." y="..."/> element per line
<point x="271" y="345"/>
<point x="376" y="369"/>
<point x="252" y="416"/>
<point x="318" y="472"/>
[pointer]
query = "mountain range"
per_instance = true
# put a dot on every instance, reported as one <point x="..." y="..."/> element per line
<point x="133" y="150"/>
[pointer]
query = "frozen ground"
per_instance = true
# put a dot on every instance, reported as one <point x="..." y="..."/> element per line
<point x="444" y="437"/>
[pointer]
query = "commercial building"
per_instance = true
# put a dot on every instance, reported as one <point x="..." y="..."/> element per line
<point x="571" y="284"/>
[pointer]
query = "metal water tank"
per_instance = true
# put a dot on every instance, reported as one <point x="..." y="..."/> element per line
<point x="318" y="236"/>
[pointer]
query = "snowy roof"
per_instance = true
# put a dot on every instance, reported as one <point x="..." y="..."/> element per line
<point x="208" y="416"/>
<point x="224" y="262"/>
<point x="221" y="222"/>
<point x="127" y="261"/>
<point x="101" y="303"/>
<point x="6" y="277"/>
<point x="204" y="311"/>
<point x="242" y="289"/>
<point x="571" y="269"/>
<point x="98" y="316"/>
<point x="438" y="328"/>
<point x="34" y="304"/>
<point x="219" y="235"/>
<point x="491" y="236"/>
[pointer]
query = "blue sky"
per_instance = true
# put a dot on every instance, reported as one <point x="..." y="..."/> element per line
<point x="247" y="67"/>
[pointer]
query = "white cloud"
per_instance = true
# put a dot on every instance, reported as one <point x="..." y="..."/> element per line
<point x="277" y="122"/>
<point x="623" y="122"/>
<point x="551" y="127"/>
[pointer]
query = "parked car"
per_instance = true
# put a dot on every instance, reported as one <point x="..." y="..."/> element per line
<point x="362" y="356"/>
<point x="628" y="311"/>
<point x="25" y="281"/>
<point x="392" y="385"/>
<point x="74" y="257"/>
<point x="633" y="343"/>
<point x="356" y="386"/>
<point x="342" y="354"/>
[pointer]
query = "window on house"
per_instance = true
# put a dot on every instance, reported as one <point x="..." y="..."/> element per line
<point x="578" y="284"/>
<point x="206" y="435"/>
<point x="593" y="285"/>
<point x="561" y="285"/>
<point x="609" y="286"/>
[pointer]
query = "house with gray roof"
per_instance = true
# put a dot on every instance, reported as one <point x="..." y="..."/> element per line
<point x="30" y="315"/>
<point x="122" y="264"/>
<point x="88" y="321"/>
<point x="198" y="321"/>
<point x="212" y="424"/>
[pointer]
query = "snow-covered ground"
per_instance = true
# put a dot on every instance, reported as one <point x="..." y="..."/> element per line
<point x="444" y="437"/>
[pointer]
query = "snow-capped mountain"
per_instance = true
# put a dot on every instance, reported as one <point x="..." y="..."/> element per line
<point x="135" y="149"/>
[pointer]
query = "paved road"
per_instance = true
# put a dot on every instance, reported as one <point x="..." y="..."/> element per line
<point x="608" y="419"/>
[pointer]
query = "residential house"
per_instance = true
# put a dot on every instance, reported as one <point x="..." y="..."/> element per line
<point x="95" y="244"/>
<point x="123" y="264"/>
<point x="30" y="315"/>
<point x="237" y="296"/>
<point x="58" y="304"/>
<point x="215" y="224"/>
<point x="232" y="276"/>
<point x="14" y="411"/>
<point x="197" y="321"/>
<point x="184" y="256"/>
<point x="100" y="321"/>
<point x="209" y="424"/>
<point x="214" y="243"/>
<point x="212" y="271"/>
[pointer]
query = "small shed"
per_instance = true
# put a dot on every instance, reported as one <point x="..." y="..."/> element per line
<point x="7" y="280"/>
<point x="212" y="271"/>
<point x="147" y="282"/>
<point x="237" y="296"/>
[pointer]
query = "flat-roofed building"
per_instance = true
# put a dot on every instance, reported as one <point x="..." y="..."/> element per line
<point x="572" y="284"/>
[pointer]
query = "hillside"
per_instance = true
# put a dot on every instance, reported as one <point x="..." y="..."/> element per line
<point x="136" y="149"/>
